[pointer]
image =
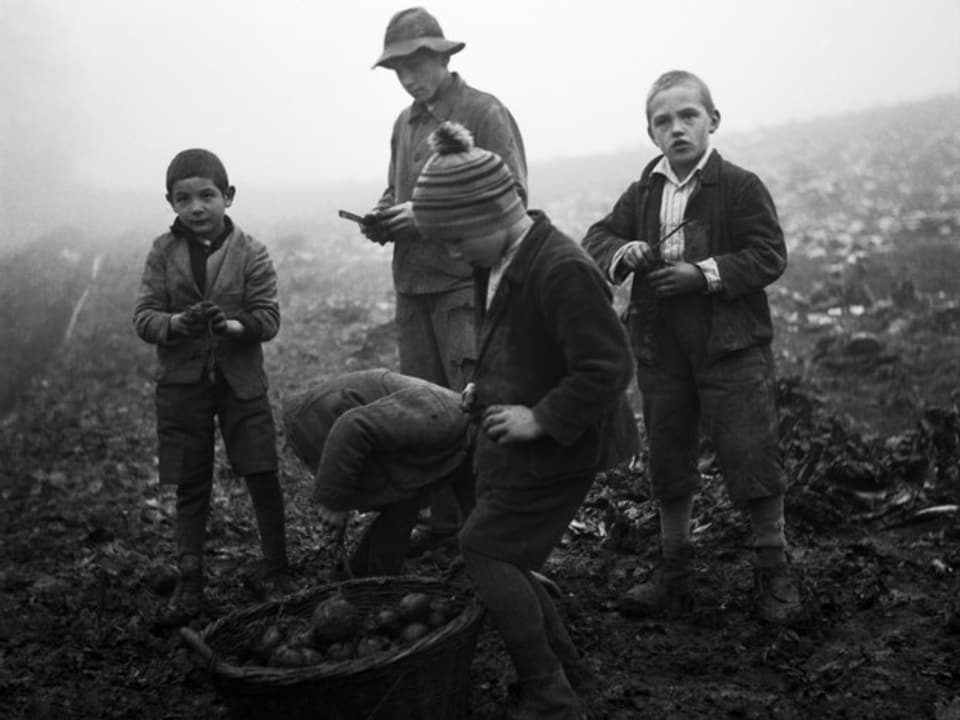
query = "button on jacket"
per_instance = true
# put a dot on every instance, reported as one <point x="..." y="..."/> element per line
<point x="731" y="218"/>
<point x="240" y="279"/>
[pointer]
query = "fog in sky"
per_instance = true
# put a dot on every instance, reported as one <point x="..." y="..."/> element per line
<point x="105" y="92"/>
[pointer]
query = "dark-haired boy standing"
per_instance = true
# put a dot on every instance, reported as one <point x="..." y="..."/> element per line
<point x="207" y="300"/>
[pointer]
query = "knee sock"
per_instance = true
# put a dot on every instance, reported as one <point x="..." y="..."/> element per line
<point x="267" y="499"/>
<point x="766" y="517"/>
<point x="675" y="516"/>
<point x="515" y="610"/>
<point x="193" y="506"/>
<point x="560" y="641"/>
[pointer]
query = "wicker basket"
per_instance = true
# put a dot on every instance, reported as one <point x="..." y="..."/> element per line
<point x="426" y="680"/>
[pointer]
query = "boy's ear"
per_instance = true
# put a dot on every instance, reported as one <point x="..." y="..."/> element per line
<point x="715" y="121"/>
<point x="169" y="198"/>
<point x="228" y="195"/>
<point x="650" y="133"/>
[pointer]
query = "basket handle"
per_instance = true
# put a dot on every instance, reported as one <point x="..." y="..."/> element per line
<point x="196" y="643"/>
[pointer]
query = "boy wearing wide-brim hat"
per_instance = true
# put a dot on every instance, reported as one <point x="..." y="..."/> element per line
<point x="553" y="362"/>
<point x="434" y="293"/>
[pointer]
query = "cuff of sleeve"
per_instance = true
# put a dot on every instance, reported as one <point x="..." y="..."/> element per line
<point x="252" y="329"/>
<point x="712" y="275"/>
<point x="330" y="497"/>
<point x="615" y="273"/>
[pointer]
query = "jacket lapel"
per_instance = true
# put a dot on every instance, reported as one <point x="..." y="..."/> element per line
<point x="181" y="261"/>
<point x="216" y="261"/>
<point x="514" y="275"/>
<point x="492" y="315"/>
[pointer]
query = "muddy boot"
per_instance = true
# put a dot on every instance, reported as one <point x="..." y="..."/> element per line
<point x="668" y="591"/>
<point x="777" y="594"/>
<point x="186" y="602"/>
<point x="546" y="697"/>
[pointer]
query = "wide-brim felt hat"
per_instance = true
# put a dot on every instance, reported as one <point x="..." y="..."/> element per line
<point x="411" y="30"/>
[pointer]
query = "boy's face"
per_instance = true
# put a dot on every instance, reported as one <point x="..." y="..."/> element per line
<point x="200" y="205"/>
<point x="482" y="251"/>
<point x="680" y="126"/>
<point x="421" y="73"/>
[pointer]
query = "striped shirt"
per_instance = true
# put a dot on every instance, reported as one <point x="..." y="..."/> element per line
<point x="673" y="207"/>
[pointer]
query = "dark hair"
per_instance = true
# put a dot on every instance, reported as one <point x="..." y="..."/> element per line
<point x="197" y="162"/>
<point x="681" y="77"/>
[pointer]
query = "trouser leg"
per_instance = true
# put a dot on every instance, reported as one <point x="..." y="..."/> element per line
<point x="383" y="547"/>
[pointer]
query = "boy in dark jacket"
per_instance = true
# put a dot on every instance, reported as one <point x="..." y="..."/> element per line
<point x="702" y="240"/>
<point x="208" y="299"/>
<point x="378" y="440"/>
<point x="553" y="363"/>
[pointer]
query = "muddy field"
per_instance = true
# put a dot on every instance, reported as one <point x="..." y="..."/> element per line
<point x="869" y="390"/>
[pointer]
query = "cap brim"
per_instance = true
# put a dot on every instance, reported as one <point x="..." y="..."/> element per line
<point x="408" y="47"/>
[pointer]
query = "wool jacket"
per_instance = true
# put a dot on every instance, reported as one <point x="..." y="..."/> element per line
<point x="731" y="218"/>
<point x="551" y="341"/>
<point x="241" y="279"/>
<point x="420" y="266"/>
<point x="374" y="437"/>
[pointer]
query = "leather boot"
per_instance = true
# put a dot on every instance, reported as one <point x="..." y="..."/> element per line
<point x="777" y="594"/>
<point x="668" y="591"/>
<point x="547" y="697"/>
<point x="187" y="599"/>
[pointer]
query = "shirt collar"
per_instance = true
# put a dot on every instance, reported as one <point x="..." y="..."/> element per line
<point x="663" y="168"/>
<point x="182" y="231"/>
<point x="510" y="253"/>
<point x="442" y="105"/>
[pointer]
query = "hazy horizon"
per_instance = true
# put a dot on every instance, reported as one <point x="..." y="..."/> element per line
<point x="102" y="93"/>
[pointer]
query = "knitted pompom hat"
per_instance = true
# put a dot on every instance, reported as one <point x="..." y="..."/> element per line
<point x="463" y="191"/>
<point x="197" y="162"/>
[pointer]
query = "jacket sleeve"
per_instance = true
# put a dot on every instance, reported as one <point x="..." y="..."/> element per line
<point x="152" y="311"/>
<point x="406" y="420"/>
<point x="497" y="131"/>
<point x="260" y="300"/>
<point x="576" y="304"/>
<point x="761" y="256"/>
<point x="388" y="197"/>
<point x="605" y="237"/>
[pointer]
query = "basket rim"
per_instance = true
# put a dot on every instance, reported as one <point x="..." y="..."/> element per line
<point x="468" y="619"/>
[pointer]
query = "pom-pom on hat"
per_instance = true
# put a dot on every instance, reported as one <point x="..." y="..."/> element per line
<point x="197" y="162"/>
<point x="463" y="191"/>
<point x="411" y="30"/>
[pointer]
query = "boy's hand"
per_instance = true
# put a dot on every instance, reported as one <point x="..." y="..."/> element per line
<point x="682" y="278"/>
<point x="511" y="423"/>
<point x="373" y="228"/>
<point x="216" y="317"/>
<point x="639" y="258"/>
<point x="391" y="220"/>
<point x="330" y="521"/>
<point x="189" y="322"/>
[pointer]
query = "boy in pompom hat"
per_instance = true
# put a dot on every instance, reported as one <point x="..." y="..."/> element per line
<point x="433" y="291"/>
<point x="701" y="238"/>
<point x="207" y="300"/>
<point x="547" y="399"/>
